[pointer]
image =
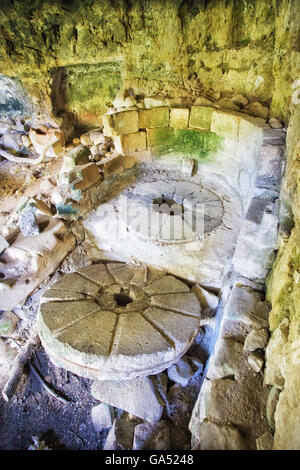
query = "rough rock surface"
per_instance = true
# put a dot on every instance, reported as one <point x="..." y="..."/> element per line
<point x="213" y="436"/>
<point x="102" y="416"/>
<point x="151" y="436"/>
<point x="141" y="38"/>
<point x="139" y="397"/>
<point x="120" y="436"/>
<point x="181" y="372"/>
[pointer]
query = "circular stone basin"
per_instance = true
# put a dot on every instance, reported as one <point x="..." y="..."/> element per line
<point x="170" y="212"/>
<point x="116" y="321"/>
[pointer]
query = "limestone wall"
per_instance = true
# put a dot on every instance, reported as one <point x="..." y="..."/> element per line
<point x="90" y="49"/>
<point x="283" y="289"/>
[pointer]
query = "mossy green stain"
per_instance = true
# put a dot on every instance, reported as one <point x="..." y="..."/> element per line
<point x="188" y="143"/>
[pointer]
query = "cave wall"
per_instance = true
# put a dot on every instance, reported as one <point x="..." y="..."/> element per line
<point x="171" y="47"/>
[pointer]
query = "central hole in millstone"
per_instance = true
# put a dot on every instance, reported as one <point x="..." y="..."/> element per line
<point x="165" y="205"/>
<point x="122" y="299"/>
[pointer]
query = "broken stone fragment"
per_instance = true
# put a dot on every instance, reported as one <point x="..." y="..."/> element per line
<point x="275" y="123"/>
<point x="97" y="137"/>
<point x="102" y="416"/>
<point x="256" y="339"/>
<point x="275" y="372"/>
<point x="258" y="110"/>
<point x="77" y="156"/>
<point x="12" y="142"/>
<point x="8" y="323"/>
<point x="130" y="101"/>
<point x="85" y="140"/>
<point x="271" y="405"/>
<point x="28" y="223"/>
<point x="137" y="396"/>
<point x="240" y="100"/>
<point x="227" y="103"/>
<point x="40" y="206"/>
<point x="187" y="166"/>
<point x="265" y="441"/>
<point x="154" y="436"/>
<point x="3" y="243"/>
<point x="29" y="260"/>
<point x="120" y="436"/>
<point x="181" y="372"/>
<point x="202" y="101"/>
<point x="47" y="141"/>
<point x="212" y="436"/>
<point x="206" y="299"/>
<point x="125" y="122"/>
<point x="7" y="357"/>
<point x="255" y="362"/>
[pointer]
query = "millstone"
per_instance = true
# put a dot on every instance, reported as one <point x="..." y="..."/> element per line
<point x="172" y="212"/>
<point x="115" y="321"/>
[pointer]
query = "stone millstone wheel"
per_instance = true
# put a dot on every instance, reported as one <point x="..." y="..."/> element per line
<point x="115" y="321"/>
<point x="170" y="212"/>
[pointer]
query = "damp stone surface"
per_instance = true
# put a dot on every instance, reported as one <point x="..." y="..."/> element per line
<point x="116" y="321"/>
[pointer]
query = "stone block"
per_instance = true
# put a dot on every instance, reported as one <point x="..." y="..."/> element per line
<point x="125" y="122"/>
<point x="242" y="404"/>
<point x="179" y="117"/>
<point x="160" y="137"/>
<point x="131" y="143"/>
<point x="137" y="396"/>
<point x="225" y="125"/>
<point x="88" y="176"/>
<point x="154" y="117"/>
<point x="113" y="167"/>
<point x="201" y="117"/>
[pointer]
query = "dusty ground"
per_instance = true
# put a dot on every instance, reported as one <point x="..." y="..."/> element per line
<point x="33" y="412"/>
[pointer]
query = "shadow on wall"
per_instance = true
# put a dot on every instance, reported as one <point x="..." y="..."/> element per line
<point x="82" y="93"/>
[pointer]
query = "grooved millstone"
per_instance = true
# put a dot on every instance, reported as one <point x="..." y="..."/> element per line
<point x="87" y="326"/>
